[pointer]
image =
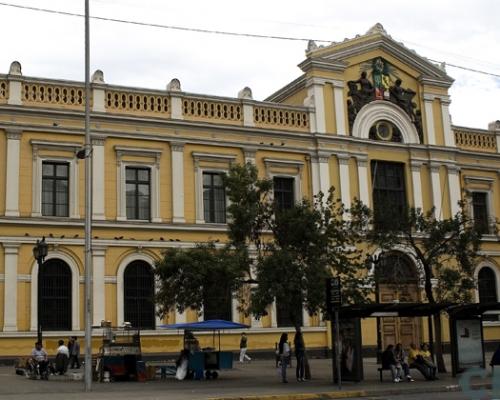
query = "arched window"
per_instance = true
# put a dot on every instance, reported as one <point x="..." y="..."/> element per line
<point x="487" y="288"/>
<point x="138" y="284"/>
<point x="55" y="296"/>
<point x="487" y="285"/>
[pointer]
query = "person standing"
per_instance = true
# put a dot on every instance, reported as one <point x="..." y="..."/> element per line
<point x="284" y="354"/>
<point x="243" y="348"/>
<point x="300" y="353"/>
<point x="62" y="358"/>
<point x="74" y="355"/>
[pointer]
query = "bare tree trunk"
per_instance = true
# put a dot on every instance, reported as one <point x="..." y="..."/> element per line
<point x="439" y="344"/>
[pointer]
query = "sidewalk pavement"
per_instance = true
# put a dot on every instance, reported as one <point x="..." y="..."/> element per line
<point x="256" y="380"/>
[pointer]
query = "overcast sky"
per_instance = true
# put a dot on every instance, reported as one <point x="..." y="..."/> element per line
<point x="461" y="32"/>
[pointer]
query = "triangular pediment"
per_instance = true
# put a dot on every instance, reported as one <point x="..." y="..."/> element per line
<point x="339" y="56"/>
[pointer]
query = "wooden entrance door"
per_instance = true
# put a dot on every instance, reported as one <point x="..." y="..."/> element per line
<point x="403" y="330"/>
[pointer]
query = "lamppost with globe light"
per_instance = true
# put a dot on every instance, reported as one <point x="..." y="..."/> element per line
<point x="39" y="252"/>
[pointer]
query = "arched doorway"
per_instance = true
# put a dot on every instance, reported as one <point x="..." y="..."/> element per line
<point x="397" y="281"/>
<point x="55" y="296"/>
<point x="138" y="288"/>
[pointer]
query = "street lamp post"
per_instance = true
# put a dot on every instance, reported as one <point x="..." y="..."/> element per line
<point x="39" y="252"/>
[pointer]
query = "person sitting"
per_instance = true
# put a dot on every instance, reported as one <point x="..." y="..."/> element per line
<point x="40" y="359"/>
<point x="402" y="359"/>
<point x="495" y="359"/>
<point x="62" y="358"/>
<point x="389" y="362"/>
<point x="416" y="360"/>
<point x="427" y="357"/>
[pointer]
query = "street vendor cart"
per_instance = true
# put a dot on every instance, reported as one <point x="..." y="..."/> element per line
<point x="204" y="363"/>
<point x="120" y="355"/>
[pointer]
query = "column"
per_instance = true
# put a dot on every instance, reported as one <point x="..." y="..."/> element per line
<point x="324" y="172"/>
<point x="429" y="118"/>
<point x="274" y="315"/>
<point x="12" y="172"/>
<point x="15" y="84"/>
<point x="449" y="137"/>
<point x="364" y="191"/>
<point x="11" y="252"/>
<point x="436" y="190"/>
<point x="98" y="179"/>
<point x="417" y="184"/>
<point x="338" y="94"/>
<point x="306" y="318"/>
<point x="235" y="313"/>
<point x="345" y="186"/>
<point x="455" y="190"/>
<point x="177" y="182"/>
<point x="315" y="92"/>
<point x="98" y="287"/>
<point x="174" y="87"/>
<point x="315" y="180"/>
<point x="98" y="94"/>
<point x="180" y="318"/>
<point x="155" y="190"/>
<point x="249" y="154"/>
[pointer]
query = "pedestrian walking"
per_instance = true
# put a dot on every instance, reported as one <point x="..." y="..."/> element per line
<point x="74" y="355"/>
<point x="62" y="358"/>
<point x="243" y="348"/>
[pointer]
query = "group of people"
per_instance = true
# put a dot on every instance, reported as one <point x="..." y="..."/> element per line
<point x="66" y="355"/>
<point x="284" y="353"/>
<point x="399" y="362"/>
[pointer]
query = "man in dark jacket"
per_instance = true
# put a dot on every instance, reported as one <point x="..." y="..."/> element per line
<point x="389" y="362"/>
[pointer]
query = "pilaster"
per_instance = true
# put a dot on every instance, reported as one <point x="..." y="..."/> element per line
<point x="12" y="172"/>
<point x="98" y="288"/>
<point x="177" y="182"/>
<point x="11" y="252"/>
<point x="98" y="189"/>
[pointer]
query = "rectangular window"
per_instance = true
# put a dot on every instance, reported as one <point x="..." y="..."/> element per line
<point x="284" y="193"/>
<point x="138" y="192"/>
<point x="480" y="211"/>
<point x="55" y="189"/>
<point x="214" y="198"/>
<point x="389" y="194"/>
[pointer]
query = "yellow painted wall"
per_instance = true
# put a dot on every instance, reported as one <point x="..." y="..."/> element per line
<point x="330" y="117"/>
<point x="438" y="122"/>
<point x="3" y="166"/>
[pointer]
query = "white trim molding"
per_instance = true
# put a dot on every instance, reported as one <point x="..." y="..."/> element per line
<point x="38" y="159"/>
<point x="207" y="162"/>
<point x="493" y="267"/>
<point x="154" y="167"/>
<point x="120" y="300"/>
<point x="13" y="136"/>
<point x="295" y="166"/>
<point x="98" y="187"/>
<point x="345" y="179"/>
<point x="75" y="289"/>
<point x="384" y="110"/>
<point x="11" y="252"/>
<point x="177" y="149"/>
<point x="416" y="168"/>
<point x="98" y="288"/>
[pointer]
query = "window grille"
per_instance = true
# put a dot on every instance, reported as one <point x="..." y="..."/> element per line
<point x="138" y="295"/>
<point x="55" y="296"/>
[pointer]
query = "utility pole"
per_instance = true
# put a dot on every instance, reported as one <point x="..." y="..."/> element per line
<point x="88" y="212"/>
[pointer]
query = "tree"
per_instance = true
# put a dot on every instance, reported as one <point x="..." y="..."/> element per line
<point x="188" y="277"/>
<point x="311" y="242"/>
<point x="446" y="252"/>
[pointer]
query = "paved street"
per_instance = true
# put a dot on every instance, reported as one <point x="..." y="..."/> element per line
<point x="258" y="378"/>
<point x="434" y="396"/>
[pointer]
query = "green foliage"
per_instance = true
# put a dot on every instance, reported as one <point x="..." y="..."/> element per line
<point x="310" y="243"/>
<point x="186" y="276"/>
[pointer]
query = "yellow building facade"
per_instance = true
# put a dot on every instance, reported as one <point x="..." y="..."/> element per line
<point x="157" y="156"/>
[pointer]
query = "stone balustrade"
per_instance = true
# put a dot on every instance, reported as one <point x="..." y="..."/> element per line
<point x="476" y="140"/>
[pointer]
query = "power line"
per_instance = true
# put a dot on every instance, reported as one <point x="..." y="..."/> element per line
<point x="200" y="30"/>
<point x="174" y="27"/>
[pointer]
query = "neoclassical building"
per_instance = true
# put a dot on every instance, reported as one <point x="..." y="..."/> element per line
<point x="366" y="115"/>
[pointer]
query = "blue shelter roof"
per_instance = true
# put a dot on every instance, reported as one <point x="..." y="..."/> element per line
<point x="210" y="325"/>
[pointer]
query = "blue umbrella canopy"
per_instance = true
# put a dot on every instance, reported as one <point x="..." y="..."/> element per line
<point x="210" y="325"/>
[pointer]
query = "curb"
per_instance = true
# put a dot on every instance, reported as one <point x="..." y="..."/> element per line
<point x="344" y="394"/>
